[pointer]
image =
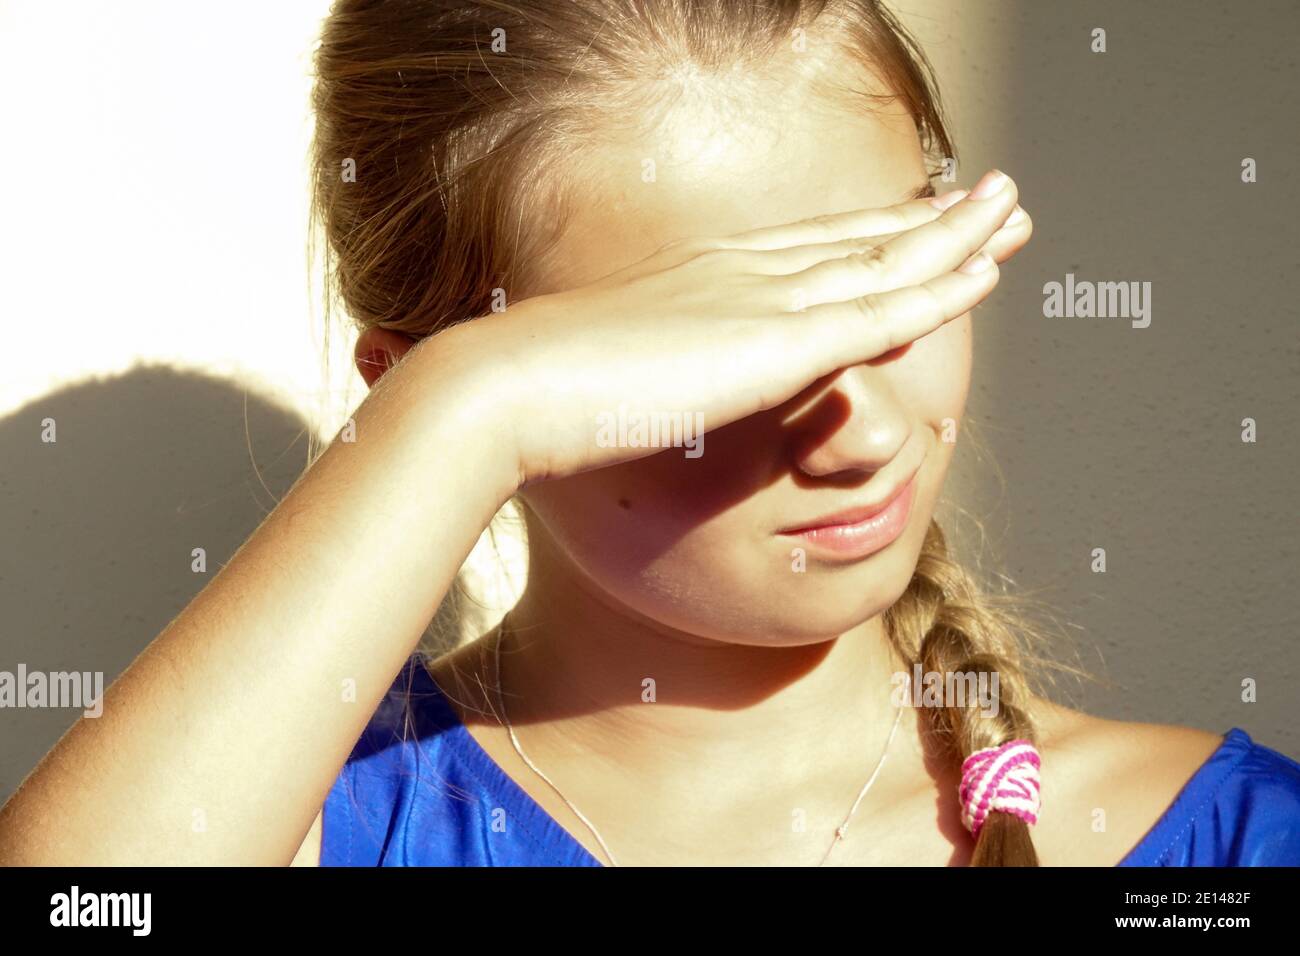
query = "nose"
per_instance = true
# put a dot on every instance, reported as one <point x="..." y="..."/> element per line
<point x="850" y="428"/>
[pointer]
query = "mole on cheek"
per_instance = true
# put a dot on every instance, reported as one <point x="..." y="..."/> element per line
<point x="625" y="504"/>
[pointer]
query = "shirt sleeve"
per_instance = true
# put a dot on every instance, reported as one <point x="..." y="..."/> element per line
<point x="1245" y="814"/>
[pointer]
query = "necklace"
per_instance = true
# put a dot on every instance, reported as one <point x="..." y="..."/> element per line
<point x="514" y="740"/>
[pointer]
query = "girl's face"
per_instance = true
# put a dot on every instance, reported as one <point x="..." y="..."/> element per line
<point x="696" y="544"/>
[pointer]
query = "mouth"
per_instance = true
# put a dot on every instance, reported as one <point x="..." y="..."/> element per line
<point x="861" y="531"/>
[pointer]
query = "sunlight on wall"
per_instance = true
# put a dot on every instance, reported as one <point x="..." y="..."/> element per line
<point x="157" y="197"/>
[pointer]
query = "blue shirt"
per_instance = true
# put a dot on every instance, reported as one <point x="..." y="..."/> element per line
<point x="425" y="793"/>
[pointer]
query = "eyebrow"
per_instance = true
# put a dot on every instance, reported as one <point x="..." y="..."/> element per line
<point x="924" y="191"/>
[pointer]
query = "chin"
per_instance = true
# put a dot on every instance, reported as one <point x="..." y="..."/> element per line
<point x="847" y="600"/>
<point x="829" y="600"/>
<point x="757" y="607"/>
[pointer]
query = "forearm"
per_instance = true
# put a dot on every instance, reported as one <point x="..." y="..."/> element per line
<point x="219" y="743"/>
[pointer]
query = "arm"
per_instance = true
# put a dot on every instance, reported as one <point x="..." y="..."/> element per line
<point x="235" y="714"/>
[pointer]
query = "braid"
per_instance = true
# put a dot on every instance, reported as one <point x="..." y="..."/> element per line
<point x="944" y="623"/>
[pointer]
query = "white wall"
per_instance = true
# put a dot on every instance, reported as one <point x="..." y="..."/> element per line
<point x="156" y="193"/>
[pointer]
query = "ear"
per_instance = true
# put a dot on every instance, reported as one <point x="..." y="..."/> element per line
<point x="378" y="350"/>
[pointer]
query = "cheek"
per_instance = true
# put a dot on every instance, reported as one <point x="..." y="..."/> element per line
<point x="612" y="521"/>
<point x="628" y="516"/>
<point x="674" y="538"/>
<point x="932" y="379"/>
<point x="679" y="541"/>
<point x="651" y="535"/>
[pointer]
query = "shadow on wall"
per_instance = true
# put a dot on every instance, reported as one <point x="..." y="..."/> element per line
<point x="99" y="526"/>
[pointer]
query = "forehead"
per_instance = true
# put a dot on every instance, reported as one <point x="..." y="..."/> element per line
<point x="714" y="168"/>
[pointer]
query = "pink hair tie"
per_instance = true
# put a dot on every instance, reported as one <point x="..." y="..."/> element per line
<point x="1004" y="779"/>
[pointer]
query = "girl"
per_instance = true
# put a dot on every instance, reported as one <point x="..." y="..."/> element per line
<point x="655" y="213"/>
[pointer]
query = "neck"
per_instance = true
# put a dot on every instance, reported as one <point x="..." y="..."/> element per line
<point x="598" y="691"/>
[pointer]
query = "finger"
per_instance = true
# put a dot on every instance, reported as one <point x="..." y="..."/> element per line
<point x="839" y="226"/>
<point x="913" y="256"/>
<point x="750" y="246"/>
<point x="1004" y="243"/>
<point x="950" y="240"/>
<point x="1012" y="237"/>
<point x="852" y="332"/>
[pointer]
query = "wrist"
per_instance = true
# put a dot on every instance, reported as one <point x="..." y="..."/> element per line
<point x="472" y="397"/>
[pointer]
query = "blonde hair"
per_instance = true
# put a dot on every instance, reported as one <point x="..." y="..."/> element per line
<point x="458" y="191"/>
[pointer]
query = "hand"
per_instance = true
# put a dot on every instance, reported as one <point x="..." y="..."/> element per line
<point x="712" y="330"/>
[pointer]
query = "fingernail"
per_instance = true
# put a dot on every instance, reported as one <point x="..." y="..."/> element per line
<point x="976" y="264"/>
<point x="990" y="185"/>
<point x="1016" y="218"/>
<point x="948" y="199"/>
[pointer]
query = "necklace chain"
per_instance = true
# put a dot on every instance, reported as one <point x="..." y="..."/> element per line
<point x="514" y="740"/>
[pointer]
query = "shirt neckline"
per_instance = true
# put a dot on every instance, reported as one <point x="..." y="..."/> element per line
<point x="1191" y="798"/>
<point x="557" y="842"/>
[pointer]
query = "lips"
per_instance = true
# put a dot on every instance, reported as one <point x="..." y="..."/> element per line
<point x="858" y="532"/>
<point x="851" y="516"/>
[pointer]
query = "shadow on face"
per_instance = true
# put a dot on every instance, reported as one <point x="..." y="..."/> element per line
<point x="694" y="543"/>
